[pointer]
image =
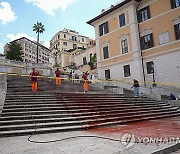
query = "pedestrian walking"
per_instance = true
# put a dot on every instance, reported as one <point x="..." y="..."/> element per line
<point x="93" y="77"/>
<point x="73" y="76"/>
<point x="70" y="76"/>
<point x="136" y="87"/>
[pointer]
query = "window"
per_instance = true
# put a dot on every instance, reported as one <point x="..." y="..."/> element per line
<point x="175" y="4"/>
<point x="127" y="71"/>
<point x="74" y="38"/>
<point x="74" y="46"/>
<point x="58" y="36"/>
<point x="82" y="39"/>
<point x="84" y="61"/>
<point x="144" y="14"/>
<point x="147" y="41"/>
<point x="122" y="21"/>
<point x="150" y="67"/>
<point x="124" y="46"/>
<point x="64" y="35"/>
<point x="65" y="43"/>
<point x="103" y="29"/>
<point x="105" y="52"/>
<point x="177" y="31"/>
<point x="107" y="74"/>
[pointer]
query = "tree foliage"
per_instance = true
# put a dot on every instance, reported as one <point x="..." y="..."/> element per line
<point x="38" y="27"/>
<point x="15" y="52"/>
<point x="93" y="62"/>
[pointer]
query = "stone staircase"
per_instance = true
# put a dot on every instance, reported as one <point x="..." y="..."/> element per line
<point x="65" y="108"/>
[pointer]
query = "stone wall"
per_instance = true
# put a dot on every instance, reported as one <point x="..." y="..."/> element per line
<point x="9" y="66"/>
<point x="174" y="102"/>
<point x="3" y="90"/>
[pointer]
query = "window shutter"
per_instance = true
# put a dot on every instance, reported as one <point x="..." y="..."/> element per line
<point x="127" y="71"/>
<point x="172" y="4"/>
<point x="107" y="27"/>
<point x="176" y="30"/>
<point x="148" y="12"/>
<point x="120" y="22"/>
<point x="124" y="19"/>
<point x="100" y="30"/>
<point x="105" y="52"/>
<point x="152" y="40"/>
<point x="107" y="74"/>
<point x="139" y="16"/>
<point x="141" y="42"/>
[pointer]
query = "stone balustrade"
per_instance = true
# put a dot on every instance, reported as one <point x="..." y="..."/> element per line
<point x="3" y="90"/>
<point x="9" y="66"/>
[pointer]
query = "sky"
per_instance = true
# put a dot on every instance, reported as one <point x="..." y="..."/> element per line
<point x="17" y="17"/>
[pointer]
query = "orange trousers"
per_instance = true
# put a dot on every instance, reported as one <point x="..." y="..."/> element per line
<point x="58" y="80"/>
<point x="34" y="86"/>
<point x="85" y="86"/>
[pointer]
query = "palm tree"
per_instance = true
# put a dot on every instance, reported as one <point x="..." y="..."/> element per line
<point x="38" y="28"/>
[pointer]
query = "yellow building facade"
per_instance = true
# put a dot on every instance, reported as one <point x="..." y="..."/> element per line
<point x="139" y="39"/>
<point x="62" y="43"/>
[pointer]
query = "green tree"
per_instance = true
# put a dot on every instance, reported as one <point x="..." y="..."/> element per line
<point x="38" y="28"/>
<point x="15" y="52"/>
<point x="93" y="62"/>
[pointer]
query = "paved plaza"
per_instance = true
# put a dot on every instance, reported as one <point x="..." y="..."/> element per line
<point x="161" y="130"/>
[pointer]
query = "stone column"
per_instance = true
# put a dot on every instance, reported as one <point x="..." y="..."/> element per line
<point x="98" y="50"/>
<point x="137" y="68"/>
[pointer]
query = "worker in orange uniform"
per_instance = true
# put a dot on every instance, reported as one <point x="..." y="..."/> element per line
<point x="34" y="82"/>
<point x="85" y="82"/>
<point x="58" y="79"/>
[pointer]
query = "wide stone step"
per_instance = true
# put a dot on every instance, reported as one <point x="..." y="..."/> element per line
<point x="85" y="103"/>
<point x="67" y="108"/>
<point x="41" y="131"/>
<point x="87" y="114"/>
<point x="69" y="105"/>
<point x="73" y="101"/>
<point x="81" y="127"/>
<point x="30" y="100"/>
<point x="81" y="112"/>
<point x="47" y="119"/>
<point x="77" y="107"/>
<point x="28" y="96"/>
<point x="82" y="122"/>
<point x="11" y="97"/>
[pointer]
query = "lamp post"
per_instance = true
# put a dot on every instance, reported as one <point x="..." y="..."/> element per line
<point x="152" y="71"/>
